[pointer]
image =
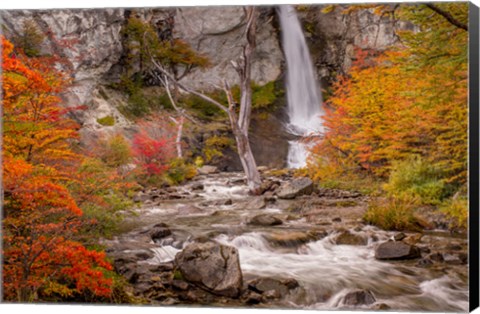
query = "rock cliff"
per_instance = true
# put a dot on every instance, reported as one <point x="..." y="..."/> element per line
<point x="91" y="41"/>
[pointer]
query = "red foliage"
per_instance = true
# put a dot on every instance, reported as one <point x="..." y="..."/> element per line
<point x="154" y="146"/>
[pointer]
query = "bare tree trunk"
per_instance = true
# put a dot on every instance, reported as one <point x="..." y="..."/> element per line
<point x="241" y="123"/>
<point x="241" y="136"/>
<point x="178" y="140"/>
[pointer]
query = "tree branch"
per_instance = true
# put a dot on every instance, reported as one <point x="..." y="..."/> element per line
<point x="187" y="89"/>
<point x="447" y="16"/>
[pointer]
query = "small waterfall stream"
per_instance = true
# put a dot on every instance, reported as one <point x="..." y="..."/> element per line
<point x="303" y="92"/>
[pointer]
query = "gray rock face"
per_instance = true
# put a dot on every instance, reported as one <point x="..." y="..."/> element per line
<point x="213" y="267"/>
<point x="218" y="32"/>
<point x="294" y="188"/>
<point x="333" y="36"/>
<point x="396" y="251"/>
<point x="359" y="297"/>
<point x="89" y="40"/>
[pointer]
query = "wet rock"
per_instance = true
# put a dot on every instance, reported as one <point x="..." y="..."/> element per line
<point x="454" y="247"/>
<point x="424" y="249"/>
<point x="142" y="197"/>
<point x="265" y="220"/>
<point x="455" y="259"/>
<point x="294" y="188"/>
<point x="425" y="262"/>
<point x="237" y="181"/>
<point x="380" y="307"/>
<point x="175" y="196"/>
<point x="160" y="231"/>
<point x="399" y="236"/>
<point x="396" y="251"/>
<point x="207" y="170"/>
<point x="290" y="283"/>
<point x="217" y="202"/>
<point x="144" y="254"/>
<point x="269" y="197"/>
<point x="263" y="285"/>
<point x="189" y="209"/>
<point x="359" y="297"/>
<point x="290" y="239"/>
<point x="253" y="298"/>
<point x="256" y="203"/>
<point x="347" y="238"/>
<point x="271" y="295"/>
<point x="197" y="186"/>
<point x="436" y="257"/>
<point x="211" y="266"/>
<point x="413" y="239"/>
<point x="179" y="284"/>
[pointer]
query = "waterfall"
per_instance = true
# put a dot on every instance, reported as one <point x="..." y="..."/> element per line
<point x="303" y="92"/>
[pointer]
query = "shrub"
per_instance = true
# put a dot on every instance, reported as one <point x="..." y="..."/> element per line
<point x="102" y="195"/>
<point x="342" y="174"/>
<point x="456" y="208"/>
<point x="214" y="146"/>
<point x="116" y="151"/>
<point x="179" y="171"/>
<point x="416" y="178"/>
<point x="154" y="145"/>
<point x="204" y="109"/>
<point x="106" y="121"/>
<point x="392" y="214"/>
<point x="31" y="38"/>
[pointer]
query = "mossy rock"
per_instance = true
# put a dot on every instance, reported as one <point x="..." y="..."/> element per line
<point x="106" y="121"/>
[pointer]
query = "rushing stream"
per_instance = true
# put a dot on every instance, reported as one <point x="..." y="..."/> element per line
<point x="303" y="93"/>
<point x="325" y="271"/>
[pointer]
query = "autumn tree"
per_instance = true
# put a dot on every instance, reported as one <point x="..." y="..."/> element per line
<point x="411" y="101"/>
<point x="41" y="259"/>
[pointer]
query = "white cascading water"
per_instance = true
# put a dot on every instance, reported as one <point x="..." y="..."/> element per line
<point x="303" y="92"/>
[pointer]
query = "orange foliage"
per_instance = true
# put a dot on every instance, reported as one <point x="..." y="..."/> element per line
<point x="41" y="217"/>
<point x="388" y="110"/>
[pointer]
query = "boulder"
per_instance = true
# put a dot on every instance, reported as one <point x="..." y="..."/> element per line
<point x="262" y="285"/>
<point x="256" y="203"/>
<point x="347" y="238"/>
<point x="160" y="231"/>
<point x="399" y="236"/>
<point x="212" y="267"/>
<point x="265" y="220"/>
<point x="290" y="239"/>
<point x="359" y="297"/>
<point x="142" y="197"/>
<point x="207" y="169"/>
<point x="294" y="188"/>
<point x="272" y="288"/>
<point x="197" y="186"/>
<point x="396" y="251"/>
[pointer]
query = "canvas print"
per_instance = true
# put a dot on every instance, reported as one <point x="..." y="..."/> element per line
<point x="287" y="156"/>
